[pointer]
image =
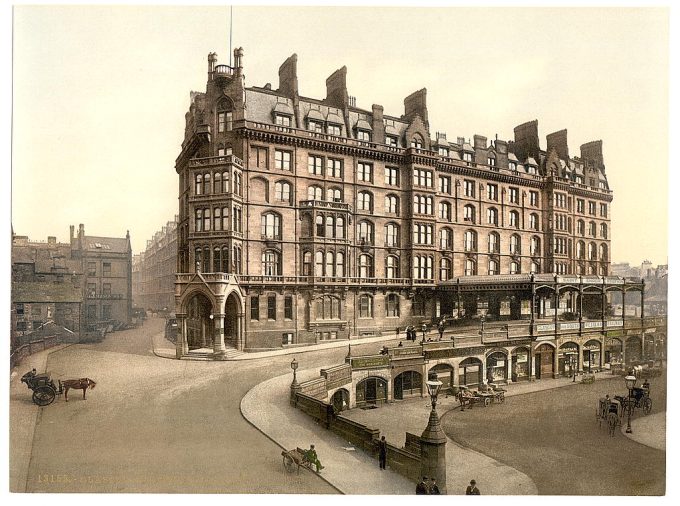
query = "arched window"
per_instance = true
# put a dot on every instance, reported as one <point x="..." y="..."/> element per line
<point x="494" y="242"/>
<point x="225" y="218"/>
<point x="580" y="250"/>
<point x="470" y="267"/>
<point x="340" y="227"/>
<point x="515" y="245"/>
<point x="417" y="141"/>
<point x="334" y="195"/>
<point x="319" y="225"/>
<point x="225" y="182"/>
<point x="581" y="227"/>
<point x="318" y="264"/>
<point x="218" y="182"/>
<point x="206" y="184"/>
<point x="514" y="219"/>
<point x="330" y="226"/>
<point x="592" y="251"/>
<point x="282" y="191"/>
<point x="446" y="239"/>
<point x="340" y="264"/>
<point x="592" y="270"/>
<point x="469" y="213"/>
<point x="237" y="183"/>
<point x="533" y="221"/>
<point x="198" y="188"/>
<point x="225" y="267"/>
<point x="514" y="267"/>
<point x="445" y="211"/>
<point x="271" y="263"/>
<point x="422" y="267"/>
<point x="535" y="267"/>
<point x="535" y="247"/>
<point x="198" y="256"/>
<point x="206" y="220"/>
<point x="392" y="267"/>
<point x="365" y="201"/>
<point x="271" y="226"/>
<point x="330" y="264"/>
<point x="365" y="232"/>
<point x="444" y="269"/>
<point x="392" y="204"/>
<point x="217" y="219"/>
<point x="391" y="235"/>
<point x="307" y="263"/>
<point x="198" y="222"/>
<point x="603" y="252"/>
<point x="470" y="240"/>
<point x="365" y="306"/>
<point x="494" y="268"/>
<point x="206" y="259"/>
<point x="492" y="216"/>
<point x="314" y="193"/>
<point x="592" y="229"/>
<point x="392" y="305"/>
<point x="365" y="266"/>
<point x="603" y="270"/>
<point x="603" y="230"/>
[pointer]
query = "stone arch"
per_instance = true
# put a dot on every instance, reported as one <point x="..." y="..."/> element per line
<point x="340" y="399"/>
<point x="408" y="383"/>
<point x="371" y="390"/>
<point x="470" y="372"/>
<point x="497" y="365"/>
<point x="199" y="309"/>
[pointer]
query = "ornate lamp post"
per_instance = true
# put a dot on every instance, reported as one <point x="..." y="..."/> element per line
<point x="424" y="329"/>
<point x="294" y="365"/>
<point x="630" y="384"/>
<point x="433" y="441"/>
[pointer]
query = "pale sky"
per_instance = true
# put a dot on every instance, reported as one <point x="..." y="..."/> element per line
<point x="100" y="93"/>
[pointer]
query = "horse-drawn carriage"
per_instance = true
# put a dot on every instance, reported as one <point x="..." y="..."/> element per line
<point x="45" y="390"/>
<point x="612" y="411"/>
<point x="486" y="396"/>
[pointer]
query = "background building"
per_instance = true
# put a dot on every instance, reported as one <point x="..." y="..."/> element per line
<point x="156" y="268"/>
<point x="305" y="219"/>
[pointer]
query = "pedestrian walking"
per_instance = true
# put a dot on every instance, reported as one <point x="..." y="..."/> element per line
<point x="434" y="489"/>
<point x="397" y="332"/>
<point x="421" y="487"/>
<point x="472" y="488"/>
<point x="382" y="453"/>
<point x="441" y="330"/>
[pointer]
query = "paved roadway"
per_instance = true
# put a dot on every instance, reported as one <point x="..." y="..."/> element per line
<point x="553" y="437"/>
<point x="159" y="425"/>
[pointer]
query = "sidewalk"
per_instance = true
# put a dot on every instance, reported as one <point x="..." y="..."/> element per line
<point x="23" y="414"/>
<point x="266" y="406"/>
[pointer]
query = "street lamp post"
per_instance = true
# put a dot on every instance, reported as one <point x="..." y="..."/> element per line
<point x="424" y="329"/>
<point x="294" y="386"/>
<point x="630" y="384"/>
<point x="574" y="365"/>
<point x="433" y="441"/>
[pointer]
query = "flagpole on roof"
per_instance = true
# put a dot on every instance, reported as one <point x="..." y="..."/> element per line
<point x="231" y="15"/>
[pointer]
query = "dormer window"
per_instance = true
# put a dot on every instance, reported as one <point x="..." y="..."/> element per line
<point x="531" y="169"/>
<point x="417" y="142"/>
<point x="334" y="129"/>
<point x="467" y="156"/>
<point x="391" y="140"/>
<point x="513" y="166"/>
<point x="444" y="152"/>
<point x="282" y="120"/>
<point x="364" y="135"/>
<point x="491" y="161"/>
<point x="315" y="126"/>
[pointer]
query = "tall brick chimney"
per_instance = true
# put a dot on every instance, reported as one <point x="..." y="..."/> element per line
<point x="336" y="89"/>
<point x="558" y="142"/>
<point x="416" y="104"/>
<point x="288" y="80"/>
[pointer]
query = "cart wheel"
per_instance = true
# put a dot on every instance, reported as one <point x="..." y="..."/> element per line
<point x="487" y="401"/>
<point x="288" y="463"/>
<point x="43" y="395"/>
<point x="501" y="398"/>
<point x="647" y="406"/>
<point x="612" y="422"/>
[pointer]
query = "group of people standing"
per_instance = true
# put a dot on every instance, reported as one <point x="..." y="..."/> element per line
<point x="425" y="488"/>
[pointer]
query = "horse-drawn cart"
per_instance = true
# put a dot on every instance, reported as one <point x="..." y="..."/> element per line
<point x="44" y="389"/>
<point x="610" y="411"/>
<point x="296" y="457"/>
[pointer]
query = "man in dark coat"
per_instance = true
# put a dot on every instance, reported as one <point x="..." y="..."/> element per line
<point x="472" y="489"/>
<point x="421" y="487"/>
<point x="434" y="489"/>
<point x="312" y="458"/>
<point x="382" y="452"/>
<point x="440" y="328"/>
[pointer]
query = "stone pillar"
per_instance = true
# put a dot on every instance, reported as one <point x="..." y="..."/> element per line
<point x="181" y="345"/>
<point x="240" y="329"/>
<point x="433" y="451"/>
<point x="219" y="349"/>
<point x="555" y="362"/>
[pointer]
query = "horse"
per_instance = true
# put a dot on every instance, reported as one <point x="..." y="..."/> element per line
<point x="77" y="384"/>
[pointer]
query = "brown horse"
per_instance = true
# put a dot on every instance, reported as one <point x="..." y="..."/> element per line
<point x="77" y="384"/>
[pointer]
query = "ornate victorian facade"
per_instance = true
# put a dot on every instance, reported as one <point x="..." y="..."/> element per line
<point x="305" y="219"/>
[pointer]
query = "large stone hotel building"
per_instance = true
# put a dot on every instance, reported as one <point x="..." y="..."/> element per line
<point x="303" y="219"/>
